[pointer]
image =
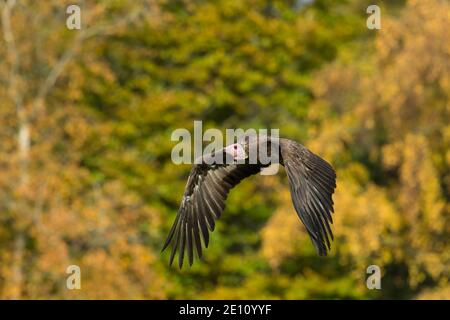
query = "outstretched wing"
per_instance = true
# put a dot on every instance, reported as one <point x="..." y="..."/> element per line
<point x="202" y="204"/>
<point x="312" y="182"/>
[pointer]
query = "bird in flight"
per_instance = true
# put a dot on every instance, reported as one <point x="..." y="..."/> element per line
<point x="312" y="182"/>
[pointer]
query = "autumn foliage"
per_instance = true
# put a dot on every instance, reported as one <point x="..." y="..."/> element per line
<point x="85" y="123"/>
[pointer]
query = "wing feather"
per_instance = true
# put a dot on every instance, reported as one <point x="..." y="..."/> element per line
<point x="203" y="203"/>
<point x="196" y="232"/>
<point x="312" y="182"/>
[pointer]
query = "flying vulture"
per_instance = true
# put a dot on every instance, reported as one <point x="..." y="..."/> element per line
<point x="311" y="180"/>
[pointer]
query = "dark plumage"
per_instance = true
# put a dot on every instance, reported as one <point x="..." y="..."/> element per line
<point x="311" y="180"/>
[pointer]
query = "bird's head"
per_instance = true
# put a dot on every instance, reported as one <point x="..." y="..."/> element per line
<point x="236" y="151"/>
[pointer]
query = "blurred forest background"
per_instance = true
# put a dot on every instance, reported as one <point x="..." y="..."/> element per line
<point x="86" y="118"/>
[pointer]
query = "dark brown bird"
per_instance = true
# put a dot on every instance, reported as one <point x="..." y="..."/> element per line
<point x="312" y="182"/>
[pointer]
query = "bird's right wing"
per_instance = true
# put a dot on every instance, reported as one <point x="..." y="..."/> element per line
<point x="203" y="203"/>
<point x="312" y="181"/>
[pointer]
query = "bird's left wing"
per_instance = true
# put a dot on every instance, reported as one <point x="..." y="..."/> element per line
<point x="203" y="202"/>
<point x="312" y="181"/>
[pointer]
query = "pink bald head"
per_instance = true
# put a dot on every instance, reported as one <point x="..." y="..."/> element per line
<point x="237" y="151"/>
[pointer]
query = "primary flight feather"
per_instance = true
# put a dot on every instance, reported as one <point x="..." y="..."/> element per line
<point x="312" y="182"/>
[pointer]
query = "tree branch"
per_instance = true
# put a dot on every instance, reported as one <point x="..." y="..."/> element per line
<point x="12" y="56"/>
<point x="71" y="51"/>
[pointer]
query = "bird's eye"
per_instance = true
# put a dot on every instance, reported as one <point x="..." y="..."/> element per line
<point x="235" y="147"/>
